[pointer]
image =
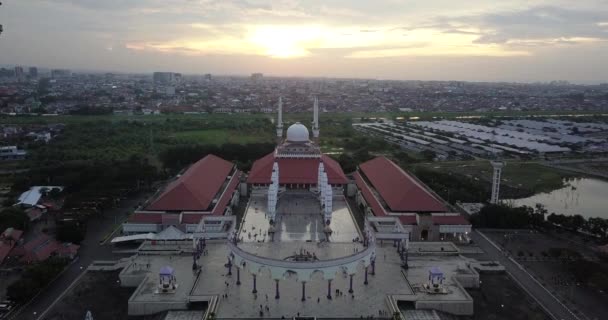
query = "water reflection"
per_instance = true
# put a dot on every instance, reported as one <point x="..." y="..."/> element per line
<point x="585" y="196"/>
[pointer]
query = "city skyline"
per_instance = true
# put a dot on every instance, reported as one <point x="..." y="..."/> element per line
<point x="480" y="41"/>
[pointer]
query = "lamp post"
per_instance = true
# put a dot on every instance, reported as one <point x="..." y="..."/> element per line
<point x="255" y="289"/>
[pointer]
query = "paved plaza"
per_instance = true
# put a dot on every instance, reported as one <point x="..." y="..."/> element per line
<point x="299" y="230"/>
<point x="298" y="219"/>
<point x="389" y="280"/>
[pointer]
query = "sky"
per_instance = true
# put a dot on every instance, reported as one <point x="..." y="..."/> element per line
<point x="468" y="40"/>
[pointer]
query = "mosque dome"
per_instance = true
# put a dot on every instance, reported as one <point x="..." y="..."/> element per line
<point x="297" y="132"/>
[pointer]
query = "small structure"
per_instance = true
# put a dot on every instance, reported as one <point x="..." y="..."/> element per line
<point x="435" y="284"/>
<point x="167" y="282"/>
<point x="12" y="153"/>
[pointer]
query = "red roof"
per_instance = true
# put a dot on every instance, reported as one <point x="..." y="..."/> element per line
<point x="408" y="219"/>
<point x="226" y="196"/>
<point x="398" y="189"/>
<point x="303" y="171"/>
<point x="140" y="217"/>
<point x="192" y="218"/>
<point x="374" y="204"/>
<point x="196" y="188"/>
<point x="39" y="249"/>
<point x="452" y="219"/>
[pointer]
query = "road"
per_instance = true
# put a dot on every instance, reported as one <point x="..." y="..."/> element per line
<point x="553" y="306"/>
<point x="90" y="250"/>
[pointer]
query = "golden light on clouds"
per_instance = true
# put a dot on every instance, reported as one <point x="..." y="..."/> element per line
<point x="297" y="41"/>
<point x="285" y="41"/>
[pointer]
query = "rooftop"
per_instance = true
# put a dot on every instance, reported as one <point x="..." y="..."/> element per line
<point x="196" y="189"/>
<point x="294" y="171"/>
<point x="400" y="191"/>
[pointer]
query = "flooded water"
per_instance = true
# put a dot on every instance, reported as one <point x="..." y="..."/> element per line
<point x="585" y="196"/>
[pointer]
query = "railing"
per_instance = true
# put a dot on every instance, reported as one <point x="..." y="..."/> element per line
<point x="336" y="262"/>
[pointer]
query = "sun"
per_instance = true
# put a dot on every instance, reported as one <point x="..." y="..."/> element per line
<point x="285" y="41"/>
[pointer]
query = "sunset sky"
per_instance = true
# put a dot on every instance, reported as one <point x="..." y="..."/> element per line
<point x="477" y="40"/>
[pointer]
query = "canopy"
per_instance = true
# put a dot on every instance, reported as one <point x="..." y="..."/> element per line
<point x="166" y="271"/>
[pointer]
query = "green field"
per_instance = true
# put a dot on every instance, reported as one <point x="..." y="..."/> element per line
<point x="222" y="136"/>
<point x="304" y="117"/>
<point x="527" y="175"/>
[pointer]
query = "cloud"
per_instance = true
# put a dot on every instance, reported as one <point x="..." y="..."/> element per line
<point x="537" y="23"/>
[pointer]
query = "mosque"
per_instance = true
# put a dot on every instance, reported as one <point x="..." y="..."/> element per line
<point x="298" y="241"/>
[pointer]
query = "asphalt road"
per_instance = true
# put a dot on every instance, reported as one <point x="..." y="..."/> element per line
<point x="549" y="303"/>
<point x="90" y="250"/>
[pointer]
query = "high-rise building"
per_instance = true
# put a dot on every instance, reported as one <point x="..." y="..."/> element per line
<point x="164" y="77"/>
<point x="19" y="73"/>
<point x="33" y="72"/>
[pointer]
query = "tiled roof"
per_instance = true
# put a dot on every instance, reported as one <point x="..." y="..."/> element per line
<point x="196" y="188"/>
<point x="450" y="220"/>
<point x="303" y="171"/>
<point x="400" y="191"/>
<point x="227" y="195"/>
<point x="371" y="200"/>
<point x="408" y="219"/>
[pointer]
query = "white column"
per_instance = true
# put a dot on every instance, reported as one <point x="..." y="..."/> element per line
<point x="280" y="119"/>
<point x="315" y="122"/>
<point x="320" y="172"/>
<point x="273" y="191"/>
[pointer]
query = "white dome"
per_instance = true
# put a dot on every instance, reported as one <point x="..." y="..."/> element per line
<point x="298" y="132"/>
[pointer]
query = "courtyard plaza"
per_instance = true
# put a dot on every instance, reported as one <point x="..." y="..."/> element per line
<point x="299" y="230"/>
<point x="213" y="281"/>
<point x="297" y="219"/>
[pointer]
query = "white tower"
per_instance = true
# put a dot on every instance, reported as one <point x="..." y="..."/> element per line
<point x="280" y="119"/>
<point x="497" y="165"/>
<point x="315" y="121"/>
<point x="273" y="191"/>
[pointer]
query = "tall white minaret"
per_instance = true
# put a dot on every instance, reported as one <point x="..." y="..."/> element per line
<point x="280" y="120"/>
<point x="315" y="121"/>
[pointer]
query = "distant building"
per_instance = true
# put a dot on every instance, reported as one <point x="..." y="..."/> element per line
<point x="32" y="197"/>
<point x="166" y="90"/>
<point x="19" y="73"/>
<point x="12" y="153"/>
<point x="42" y="248"/>
<point x="60" y="73"/>
<point x="207" y="77"/>
<point x="164" y="77"/>
<point x="257" y="76"/>
<point x="33" y="72"/>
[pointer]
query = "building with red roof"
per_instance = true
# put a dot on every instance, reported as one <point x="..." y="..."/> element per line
<point x="385" y="189"/>
<point x="299" y="160"/>
<point x="207" y="187"/>
<point x="43" y="247"/>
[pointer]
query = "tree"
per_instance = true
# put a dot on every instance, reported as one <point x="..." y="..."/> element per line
<point x="13" y="217"/>
<point x="428" y="155"/>
<point x="70" y="232"/>
<point x="502" y="216"/>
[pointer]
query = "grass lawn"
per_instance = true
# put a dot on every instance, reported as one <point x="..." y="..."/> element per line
<point x="517" y="174"/>
<point x="304" y="117"/>
<point x="222" y="136"/>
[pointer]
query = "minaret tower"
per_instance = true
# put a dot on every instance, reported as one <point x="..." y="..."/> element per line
<point x="315" y="121"/>
<point x="280" y="121"/>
